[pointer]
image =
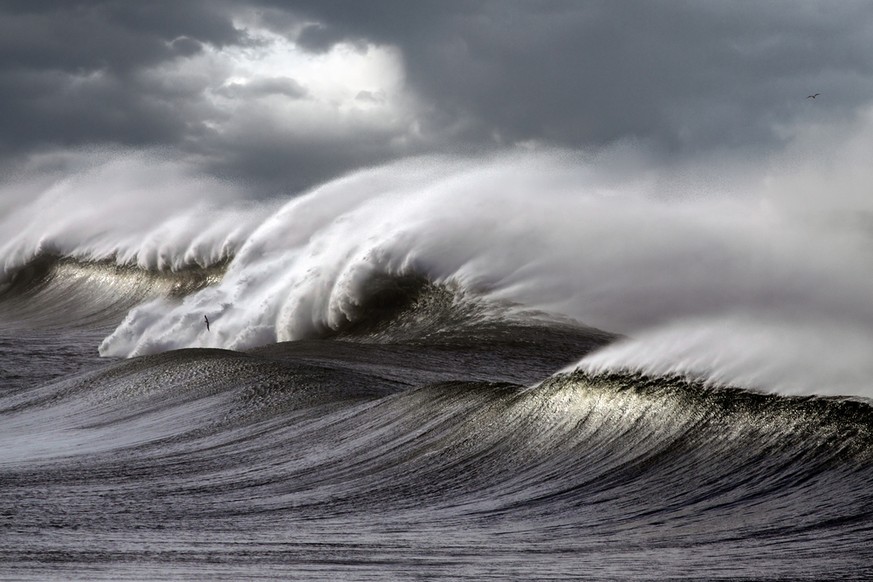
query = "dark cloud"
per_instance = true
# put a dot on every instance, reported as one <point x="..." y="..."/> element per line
<point x="99" y="35"/>
<point x="318" y="38"/>
<point x="71" y="73"/>
<point x="683" y="76"/>
<point x="185" y="46"/>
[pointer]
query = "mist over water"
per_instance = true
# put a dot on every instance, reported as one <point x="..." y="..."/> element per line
<point x="128" y="207"/>
<point x="755" y="274"/>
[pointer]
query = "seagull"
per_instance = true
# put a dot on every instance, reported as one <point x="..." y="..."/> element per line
<point x="207" y="322"/>
<point x="813" y="96"/>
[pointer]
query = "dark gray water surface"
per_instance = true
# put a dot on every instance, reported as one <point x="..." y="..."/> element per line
<point x="456" y="454"/>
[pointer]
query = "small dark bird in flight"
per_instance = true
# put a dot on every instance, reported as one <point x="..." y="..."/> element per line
<point x="813" y="96"/>
<point x="207" y="322"/>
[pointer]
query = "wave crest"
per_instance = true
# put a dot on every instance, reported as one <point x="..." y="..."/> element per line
<point x="54" y="292"/>
<point x="612" y="241"/>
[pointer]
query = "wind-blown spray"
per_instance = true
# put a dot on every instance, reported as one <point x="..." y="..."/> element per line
<point x="738" y="285"/>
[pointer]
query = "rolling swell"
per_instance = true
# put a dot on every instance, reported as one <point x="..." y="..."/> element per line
<point x="332" y="455"/>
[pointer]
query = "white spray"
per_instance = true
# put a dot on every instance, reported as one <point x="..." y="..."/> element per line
<point x="763" y="279"/>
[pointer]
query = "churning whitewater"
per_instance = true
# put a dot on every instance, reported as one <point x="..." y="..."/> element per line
<point x="738" y="288"/>
<point x="536" y="365"/>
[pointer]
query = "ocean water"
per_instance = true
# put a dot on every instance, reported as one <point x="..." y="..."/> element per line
<point x="530" y="366"/>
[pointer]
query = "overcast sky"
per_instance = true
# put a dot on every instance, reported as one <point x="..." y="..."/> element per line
<point x="280" y="95"/>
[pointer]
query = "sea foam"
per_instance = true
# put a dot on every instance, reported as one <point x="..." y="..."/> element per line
<point x="762" y="277"/>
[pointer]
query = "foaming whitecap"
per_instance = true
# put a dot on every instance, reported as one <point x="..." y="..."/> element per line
<point x="741" y="285"/>
<point x="803" y="356"/>
<point x="130" y="208"/>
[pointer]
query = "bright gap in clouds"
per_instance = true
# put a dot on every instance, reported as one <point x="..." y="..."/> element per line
<point x="274" y="84"/>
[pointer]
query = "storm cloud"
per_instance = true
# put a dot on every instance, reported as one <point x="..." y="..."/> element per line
<point x="281" y="95"/>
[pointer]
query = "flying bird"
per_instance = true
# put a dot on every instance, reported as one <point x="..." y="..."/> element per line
<point x="813" y="96"/>
<point x="207" y="322"/>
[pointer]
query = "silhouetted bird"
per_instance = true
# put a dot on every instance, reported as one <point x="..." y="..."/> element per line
<point x="207" y="322"/>
<point x="813" y="96"/>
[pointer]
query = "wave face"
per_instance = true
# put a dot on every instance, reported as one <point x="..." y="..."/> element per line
<point x="324" y="457"/>
<point x="51" y="292"/>
<point x="527" y="366"/>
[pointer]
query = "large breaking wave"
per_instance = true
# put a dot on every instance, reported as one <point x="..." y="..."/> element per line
<point x="736" y="284"/>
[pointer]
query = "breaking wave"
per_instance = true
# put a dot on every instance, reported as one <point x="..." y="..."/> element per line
<point x="737" y="285"/>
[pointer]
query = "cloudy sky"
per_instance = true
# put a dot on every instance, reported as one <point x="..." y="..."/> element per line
<point x="281" y="95"/>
